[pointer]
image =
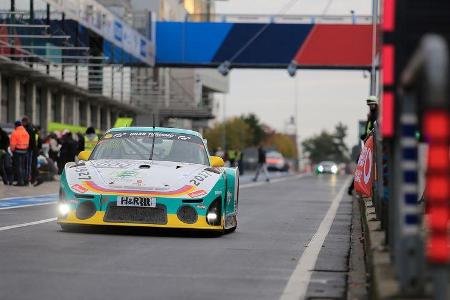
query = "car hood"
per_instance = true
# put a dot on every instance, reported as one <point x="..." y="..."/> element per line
<point x="137" y="177"/>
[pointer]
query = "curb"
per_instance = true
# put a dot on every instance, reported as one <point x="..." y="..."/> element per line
<point x="383" y="282"/>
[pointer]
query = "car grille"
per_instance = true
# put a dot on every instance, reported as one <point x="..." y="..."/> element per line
<point x="142" y="215"/>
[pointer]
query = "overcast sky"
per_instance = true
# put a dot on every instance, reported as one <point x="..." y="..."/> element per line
<point x="324" y="97"/>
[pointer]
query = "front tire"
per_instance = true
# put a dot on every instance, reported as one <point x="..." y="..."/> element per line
<point x="230" y="230"/>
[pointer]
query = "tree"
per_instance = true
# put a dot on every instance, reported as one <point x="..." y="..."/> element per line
<point x="340" y="133"/>
<point x="327" y="146"/>
<point x="283" y="143"/>
<point x="239" y="135"/>
<point x="257" y="128"/>
<point x="319" y="147"/>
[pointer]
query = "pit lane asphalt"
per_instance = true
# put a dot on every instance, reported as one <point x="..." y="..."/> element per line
<point x="276" y="223"/>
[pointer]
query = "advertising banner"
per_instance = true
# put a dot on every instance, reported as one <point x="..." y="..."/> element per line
<point x="364" y="173"/>
<point x="99" y="19"/>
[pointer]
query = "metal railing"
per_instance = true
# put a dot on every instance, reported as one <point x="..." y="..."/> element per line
<point x="282" y="19"/>
<point x="417" y="230"/>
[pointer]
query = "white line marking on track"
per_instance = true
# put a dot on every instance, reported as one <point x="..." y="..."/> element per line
<point x="297" y="285"/>
<point x="28" y="205"/>
<point x="27" y="224"/>
<point x="28" y="197"/>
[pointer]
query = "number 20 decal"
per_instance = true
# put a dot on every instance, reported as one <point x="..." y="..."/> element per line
<point x="197" y="180"/>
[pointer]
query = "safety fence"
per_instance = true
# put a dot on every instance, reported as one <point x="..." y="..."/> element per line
<point x="416" y="219"/>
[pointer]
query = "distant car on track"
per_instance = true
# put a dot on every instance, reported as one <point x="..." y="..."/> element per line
<point x="150" y="177"/>
<point x="276" y="162"/>
<point x="327" y="167"/>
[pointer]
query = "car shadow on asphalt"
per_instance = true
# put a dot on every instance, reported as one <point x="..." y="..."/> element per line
<point x="142" y="231"/>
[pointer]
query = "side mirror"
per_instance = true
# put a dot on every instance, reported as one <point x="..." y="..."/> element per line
<point x="216" y="161"/>
<point x="84" y="155"/>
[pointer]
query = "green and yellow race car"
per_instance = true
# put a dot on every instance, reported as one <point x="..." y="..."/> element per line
<point x="149" y="177"/>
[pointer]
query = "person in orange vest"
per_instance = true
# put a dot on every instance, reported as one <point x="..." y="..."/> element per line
<point x="18" y="144"/>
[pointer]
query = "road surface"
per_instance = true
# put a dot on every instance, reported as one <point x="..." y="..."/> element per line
<point x="292" y="242"/>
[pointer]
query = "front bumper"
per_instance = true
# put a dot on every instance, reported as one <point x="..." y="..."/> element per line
<point x="172" y="222"/>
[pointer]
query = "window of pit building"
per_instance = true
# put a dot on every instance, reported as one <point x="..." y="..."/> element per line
<point x="23" y="98"/>
<point x="4" y="118"/>
<point x="5" y="6"/>
<point x="103" y="119"/>
<point x="56" y="108"/>
<point x="82" y="113"/>
<point x="22" y="6"/>
<point x="94" y="115"/>
<point x="40" y="11"/>
<point x="38" y="108"/>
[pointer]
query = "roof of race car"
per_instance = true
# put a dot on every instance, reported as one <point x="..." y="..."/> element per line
<point x="160" y="129"/>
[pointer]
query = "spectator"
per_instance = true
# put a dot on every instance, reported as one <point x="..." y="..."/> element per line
<point x="372" y="119"/>
<point x="90" y="139"/>
<point x="241" y="163"/>
<point x="219" y="152"/>
<point x="32" y="153"/>
<point x="80" y="142"/>
<point x="19" y="143"/>
<point x="68" y="150"/>
<point x="6" y="170"/>
<point x="54" y="147"/>
<point x="262" y="166"/>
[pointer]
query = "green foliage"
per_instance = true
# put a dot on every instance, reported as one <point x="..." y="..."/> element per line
<point x="327" y="146"/>
<point x="247" y="131"/>
<point x="239" y="135"/>
<point x="257" y="128"/>
<point x="283" y="144"/>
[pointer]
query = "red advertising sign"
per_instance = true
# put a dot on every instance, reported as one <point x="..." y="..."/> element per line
<point x="364" y="173"/>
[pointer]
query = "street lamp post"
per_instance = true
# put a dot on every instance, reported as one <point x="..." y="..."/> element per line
<point x="373" y="74"/>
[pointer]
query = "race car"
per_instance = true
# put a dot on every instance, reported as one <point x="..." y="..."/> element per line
<point x="149" y="177"/>
<point x="327" y="167"/>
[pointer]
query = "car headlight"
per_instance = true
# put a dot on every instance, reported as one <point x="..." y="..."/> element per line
<point x="214" y="213"/>
<point x="63" y="209"/>
<point x="320" y="169"/>
<point x="64" y="204"/>
<point x="334" y="169"/>
<point x="211" y="217"/>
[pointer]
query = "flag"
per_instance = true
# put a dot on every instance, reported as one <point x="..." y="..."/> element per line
<point x="364" y="170"/>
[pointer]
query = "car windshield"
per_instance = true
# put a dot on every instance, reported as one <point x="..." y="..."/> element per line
<point x="327" y="163"/>
<point x="138" y="146"/>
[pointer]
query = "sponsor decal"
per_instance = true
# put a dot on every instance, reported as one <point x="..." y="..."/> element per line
<point x="229" y="196"/>
<point x="136" y="201"/>
<point x="218" y="193"/>
<point x="140" y="192"/>
<point x="163" y="135"/>
<point x="111" y="164"/>
<point x="126" y="174"/>
<point x="183" y="138"/>
<point x="198" y="193"/>
<point x="79" y="188"/>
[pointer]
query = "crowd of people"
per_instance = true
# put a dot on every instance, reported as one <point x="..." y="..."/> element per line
<point x="28" y="158"/>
